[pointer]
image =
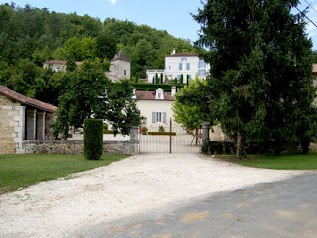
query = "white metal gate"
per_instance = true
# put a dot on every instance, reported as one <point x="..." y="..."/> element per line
<point x="179" y="141"/>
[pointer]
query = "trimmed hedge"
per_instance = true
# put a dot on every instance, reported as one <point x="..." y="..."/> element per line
<point x="93" y="139"/>
<point x="162" y="133"/>
<point x="107" y="131"/>
<point x="153" y="87"/>
<point x="218" y="147"/>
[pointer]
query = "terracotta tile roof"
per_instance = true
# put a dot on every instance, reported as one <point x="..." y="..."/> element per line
<point x="26" y="100"/>
<point x="314" y="69"/>
<point x="184" y="54"/>
<point x="150" y="95"/>
<point x="120" y="56"/>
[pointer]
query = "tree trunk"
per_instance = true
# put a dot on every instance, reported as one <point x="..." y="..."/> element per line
<point x="196" y="136"/>
<point x="240" y="145"/>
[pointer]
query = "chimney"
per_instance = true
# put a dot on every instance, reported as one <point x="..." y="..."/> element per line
<point x="173" y="91"/>
<point x="174" y="52"/>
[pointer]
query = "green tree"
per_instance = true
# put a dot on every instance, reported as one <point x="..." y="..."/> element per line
<point x="122" y="111"/>
<point x="90" y="94"/>
<point x="143" y="58"/>
<point x="71" y="65"/>
<point x="157" y="80"/>
<point x="106" y="46"/>
<point x="189" y="110"/>
<point x="260" y="80"/>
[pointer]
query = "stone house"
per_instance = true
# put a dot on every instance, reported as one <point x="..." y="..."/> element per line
<point x="120" y="67"/>
<point x="58" y="65"/>
<point x="23" y="118"/>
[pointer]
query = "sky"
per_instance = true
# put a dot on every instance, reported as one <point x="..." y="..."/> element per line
<point x="170" y="15"/>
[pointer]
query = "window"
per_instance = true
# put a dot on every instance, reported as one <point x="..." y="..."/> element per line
<point x="180" y="66"/>
<point x="187" y="66"/>
<point x="202" y="73"/>
<point x="125" y="72"/>
<point x="201" y="64"/>
<point x="159" y="93"/>
<point x="184" y="59"/>
<point x="158" y="117"/>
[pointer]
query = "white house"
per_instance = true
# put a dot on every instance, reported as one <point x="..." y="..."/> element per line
<point x="156" y="107"/>
<point x="119" y="68"/>
<point x="183" y="66"/>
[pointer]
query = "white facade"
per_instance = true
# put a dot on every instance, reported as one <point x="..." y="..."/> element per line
<point x="183" y="66"/>
<point x="156" y="108"/>
<point x="155" y="112"/>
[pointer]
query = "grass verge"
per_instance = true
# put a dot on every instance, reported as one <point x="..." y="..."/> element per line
<point x="280" y="162"/>
<point x="20" y="171"/>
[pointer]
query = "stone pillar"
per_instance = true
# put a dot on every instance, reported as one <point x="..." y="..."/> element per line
<point x="134" y="135"/>
<point x="205" y="130"/>
<point x="19" y="129"/>
<point x="31" y="124"/>
<point x="40" y="127"/>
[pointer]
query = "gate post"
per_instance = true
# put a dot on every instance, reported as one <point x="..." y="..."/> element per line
<point x="205" y="130"/>
<point x="134" y="140"/>
<point x="134" y="135"/>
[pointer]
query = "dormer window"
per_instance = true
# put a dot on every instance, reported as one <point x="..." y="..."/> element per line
<point x="159" y="94"/>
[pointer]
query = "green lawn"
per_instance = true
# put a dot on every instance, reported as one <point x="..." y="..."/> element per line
<point x="281" y="162"/>
<point x="19" y="171"/>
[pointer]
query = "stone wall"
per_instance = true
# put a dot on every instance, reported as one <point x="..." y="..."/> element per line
<point x="11" y="126"/>
<point x="77" y="147"/>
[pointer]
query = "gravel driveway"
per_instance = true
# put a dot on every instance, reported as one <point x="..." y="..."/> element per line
<point x="137" y="185"/>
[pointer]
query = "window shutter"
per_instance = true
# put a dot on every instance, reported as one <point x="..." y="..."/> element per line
<point x="164" y="117"/>
<point x="153" y="117"/>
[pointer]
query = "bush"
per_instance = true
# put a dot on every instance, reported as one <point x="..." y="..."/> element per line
<point x="152" y="87"/>
<point x="205" y="147"/>
<point x="161" y="129"/>
<point x="144" y="130"/>
<point x="218" y="147"/>
<point x="93" y="134"/>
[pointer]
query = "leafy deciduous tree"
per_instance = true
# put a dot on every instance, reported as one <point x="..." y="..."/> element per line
<point x="188" y="109"/>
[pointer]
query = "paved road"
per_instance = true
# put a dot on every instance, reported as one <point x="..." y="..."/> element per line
<point x="281" y="209"/>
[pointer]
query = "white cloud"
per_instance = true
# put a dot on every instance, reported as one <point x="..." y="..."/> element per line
<point x="113" y="2"/>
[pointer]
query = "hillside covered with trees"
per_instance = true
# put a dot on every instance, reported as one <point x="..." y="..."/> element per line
<point x="30" y="36"/>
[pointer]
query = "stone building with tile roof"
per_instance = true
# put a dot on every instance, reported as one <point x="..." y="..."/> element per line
<point x="58" y="65"/>
<point x="120" y="67"/>
<point x="23" y="118"/>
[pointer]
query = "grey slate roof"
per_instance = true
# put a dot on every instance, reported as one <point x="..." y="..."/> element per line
<point x="120" y="56"/>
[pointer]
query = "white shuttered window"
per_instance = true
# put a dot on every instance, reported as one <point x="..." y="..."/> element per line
<point x="158" y="117"/>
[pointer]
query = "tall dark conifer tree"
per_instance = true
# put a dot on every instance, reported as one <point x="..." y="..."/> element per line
<point x="260" y="81"/>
